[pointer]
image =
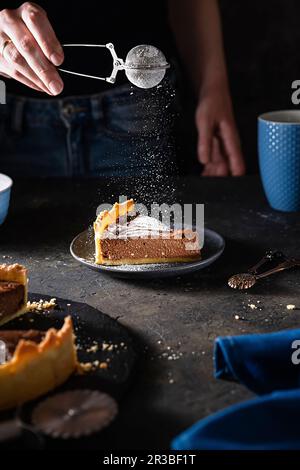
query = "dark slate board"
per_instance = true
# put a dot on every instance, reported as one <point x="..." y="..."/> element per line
<point x="90" y="325"/>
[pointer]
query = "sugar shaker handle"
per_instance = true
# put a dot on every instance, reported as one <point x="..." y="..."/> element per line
<point x="118" y="64"/>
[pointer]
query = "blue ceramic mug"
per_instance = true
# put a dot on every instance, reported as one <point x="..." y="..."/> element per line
<point x="5" y="189"/>
<point x="279" y="158"/>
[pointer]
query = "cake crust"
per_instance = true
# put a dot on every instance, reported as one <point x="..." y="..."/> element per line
<point x="106" y="218"/>
<point x="13" y="272"/>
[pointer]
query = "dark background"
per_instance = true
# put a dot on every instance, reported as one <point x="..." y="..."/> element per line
<point x="262" y="42"/>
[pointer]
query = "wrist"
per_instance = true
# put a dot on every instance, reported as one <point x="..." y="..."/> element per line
<point x="218" y="84"/>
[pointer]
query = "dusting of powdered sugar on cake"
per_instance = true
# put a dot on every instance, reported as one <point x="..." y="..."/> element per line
<point x="141" y="226"/>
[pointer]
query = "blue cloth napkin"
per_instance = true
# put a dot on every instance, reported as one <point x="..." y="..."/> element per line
<point x="263" y="363"/>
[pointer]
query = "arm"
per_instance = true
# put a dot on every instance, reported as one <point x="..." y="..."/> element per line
<point x="197" y="29"/>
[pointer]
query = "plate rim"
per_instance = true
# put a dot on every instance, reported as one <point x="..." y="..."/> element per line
<point x="182" y="268"/>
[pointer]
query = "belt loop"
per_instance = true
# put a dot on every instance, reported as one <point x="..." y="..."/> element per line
<point x="17" y="115"/>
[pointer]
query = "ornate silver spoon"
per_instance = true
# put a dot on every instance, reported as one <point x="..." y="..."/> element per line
<point x="240" y="281"/>
<point x="247" y="280"/>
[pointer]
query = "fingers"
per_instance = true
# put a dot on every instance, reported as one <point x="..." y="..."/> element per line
<point x="35" y="18"/>
<point x="26" y="45"/>
<point x="219" y="160"/>
<point x="19" y="77"/>
<point x="205" y="135"/>
<point x="4" y="74"/>
<point x="232" y="148"/>
<point x="15" y="61"/>
<point x="218" y="166"/>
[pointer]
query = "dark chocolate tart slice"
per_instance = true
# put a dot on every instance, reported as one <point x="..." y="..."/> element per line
<point x="13" y="291"/>
<point x="123" y="236"/>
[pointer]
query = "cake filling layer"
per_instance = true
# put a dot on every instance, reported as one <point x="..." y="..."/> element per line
<point x="11" y="339"/>
<point x="11" y="297"/>
<point x="138" y="248"/>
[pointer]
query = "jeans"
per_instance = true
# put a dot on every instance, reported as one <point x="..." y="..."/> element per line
<point x="124" y="131"/>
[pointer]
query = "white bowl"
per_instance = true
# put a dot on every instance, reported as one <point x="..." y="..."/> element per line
<point x="5" y="190"/>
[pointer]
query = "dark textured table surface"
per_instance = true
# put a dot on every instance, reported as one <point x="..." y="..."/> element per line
<point x="178" y="318"/>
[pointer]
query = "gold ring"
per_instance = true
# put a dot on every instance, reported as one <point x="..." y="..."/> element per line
<point x="8" y="41"/>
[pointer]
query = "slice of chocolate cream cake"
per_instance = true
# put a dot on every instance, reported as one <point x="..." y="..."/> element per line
<point x="13" y="291"/>
<point x="123" y="236"/>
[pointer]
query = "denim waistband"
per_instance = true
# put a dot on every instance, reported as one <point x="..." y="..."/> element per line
<point x="47" y="111"/>
<point x="51" y="111"/>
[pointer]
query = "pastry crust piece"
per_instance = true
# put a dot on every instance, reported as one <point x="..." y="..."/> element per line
<point x="37" y="368"/>
<point x="106" y="218"/>
<point x="14" y="273"/>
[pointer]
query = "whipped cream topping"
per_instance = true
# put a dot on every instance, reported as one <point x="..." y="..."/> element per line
<point x="141" y="226"/>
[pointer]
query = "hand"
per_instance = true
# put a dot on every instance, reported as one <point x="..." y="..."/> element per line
<point x="31" y="49"/>
<point x="219" y="147"/>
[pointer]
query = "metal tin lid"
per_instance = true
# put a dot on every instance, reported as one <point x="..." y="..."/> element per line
<point x="74" y="414"/>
